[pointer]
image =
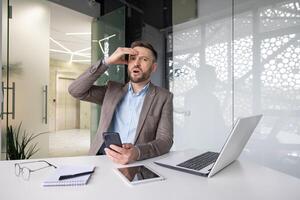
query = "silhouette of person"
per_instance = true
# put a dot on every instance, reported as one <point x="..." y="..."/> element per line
<point x="204" y="125"/>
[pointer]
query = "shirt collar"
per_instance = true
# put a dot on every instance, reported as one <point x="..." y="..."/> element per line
<point x="144" y="90"/>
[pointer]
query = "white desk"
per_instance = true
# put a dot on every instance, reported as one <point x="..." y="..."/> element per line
<point x="239" y="181"/>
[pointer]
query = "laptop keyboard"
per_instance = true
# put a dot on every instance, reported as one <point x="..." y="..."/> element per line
<point x="200" y="161"/>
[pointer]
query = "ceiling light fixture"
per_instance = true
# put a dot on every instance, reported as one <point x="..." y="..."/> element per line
<point x="59" y="44"/>
<point x="72" y="53"/>
<point x="81" y="60"/>
<point x="78" y="33"/>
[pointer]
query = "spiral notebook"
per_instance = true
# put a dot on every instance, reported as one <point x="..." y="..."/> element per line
<point x="53" y="179"/>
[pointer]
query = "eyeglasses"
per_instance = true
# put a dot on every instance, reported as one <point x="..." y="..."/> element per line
<point x="25" y="171"/>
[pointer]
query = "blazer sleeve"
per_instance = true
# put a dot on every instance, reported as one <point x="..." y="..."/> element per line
<point x="164" y="134"/>
<point x="83" y="87"/>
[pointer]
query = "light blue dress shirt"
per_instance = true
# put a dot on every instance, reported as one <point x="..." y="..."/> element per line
<point x="127" y="114"/>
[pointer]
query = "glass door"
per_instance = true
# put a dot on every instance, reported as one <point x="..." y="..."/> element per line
<point x="25" y="71"/>
<point x="41" y="56"/>
<point x="108" y="33"/>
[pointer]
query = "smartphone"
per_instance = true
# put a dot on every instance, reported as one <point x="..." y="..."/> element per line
<point x="112" y="138"/>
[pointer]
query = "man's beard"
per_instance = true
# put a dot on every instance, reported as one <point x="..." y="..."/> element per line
<point x="145" y="76"/>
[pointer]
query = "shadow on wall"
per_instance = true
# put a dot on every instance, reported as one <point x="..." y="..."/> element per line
<point x="204" y="125"/>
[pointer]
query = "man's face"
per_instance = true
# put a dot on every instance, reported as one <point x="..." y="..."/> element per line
<point x="141" y="66"/>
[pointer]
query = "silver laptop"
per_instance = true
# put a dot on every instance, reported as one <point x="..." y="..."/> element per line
<point x="209" y="163"/>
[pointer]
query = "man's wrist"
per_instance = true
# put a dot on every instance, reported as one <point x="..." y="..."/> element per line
<point x="138" y="152"/>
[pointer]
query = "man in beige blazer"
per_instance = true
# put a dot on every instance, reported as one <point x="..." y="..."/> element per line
<point x="141" y="112"/>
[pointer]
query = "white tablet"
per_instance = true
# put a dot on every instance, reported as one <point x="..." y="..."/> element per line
<point x="138" y="174"/>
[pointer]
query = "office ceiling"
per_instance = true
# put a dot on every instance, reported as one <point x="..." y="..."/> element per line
<point x="157" y="13"/>
<point x="65" y="19"/>
<point x="70" y="38"/>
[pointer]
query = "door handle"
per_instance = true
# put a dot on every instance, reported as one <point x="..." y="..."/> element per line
<point x="2" y="100"/>
<point x="45" y="91"/>
<point x="13" y="88"/>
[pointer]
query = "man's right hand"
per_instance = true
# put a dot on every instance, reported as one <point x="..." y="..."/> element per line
<point x="118" y="57"/>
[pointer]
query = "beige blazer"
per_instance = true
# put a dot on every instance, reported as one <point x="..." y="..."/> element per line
<point x="155" y="127"/>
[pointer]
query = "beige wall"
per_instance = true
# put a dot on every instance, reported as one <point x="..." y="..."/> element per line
<point x="69" y="70"/>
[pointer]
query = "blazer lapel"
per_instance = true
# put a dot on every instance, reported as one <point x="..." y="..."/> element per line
<point x="145" y="109"/>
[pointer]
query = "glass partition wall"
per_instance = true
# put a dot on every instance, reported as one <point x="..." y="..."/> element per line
<point x="267" y="79"/>
<point x="108" y="34"/>
<point x="45" y="46"/>
<point x="201" y="76"/>
<point x="234" y="59"/>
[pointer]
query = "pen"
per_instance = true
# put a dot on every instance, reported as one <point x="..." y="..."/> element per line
<point x="63" y="177"/>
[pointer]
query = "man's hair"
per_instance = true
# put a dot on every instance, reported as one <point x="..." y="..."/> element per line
<point x="145" y="45"/>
